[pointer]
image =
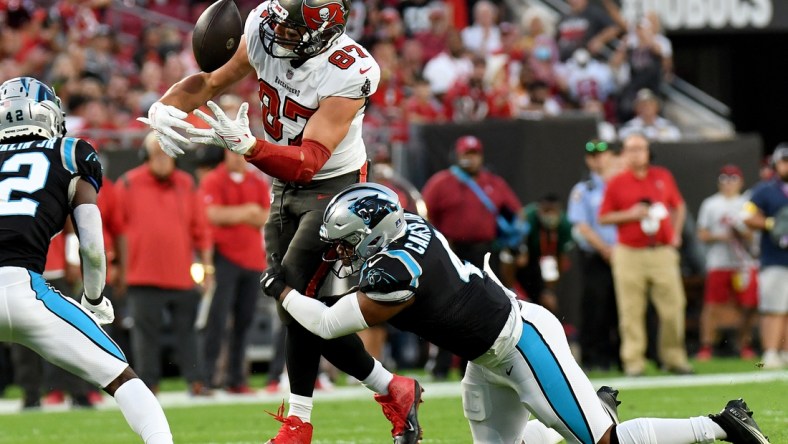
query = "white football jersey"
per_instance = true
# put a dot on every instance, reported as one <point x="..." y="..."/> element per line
<point x="291" y="95"/>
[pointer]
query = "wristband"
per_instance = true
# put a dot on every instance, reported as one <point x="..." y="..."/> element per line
<point x="209" y="269"/>
<point x="768" y="223"/>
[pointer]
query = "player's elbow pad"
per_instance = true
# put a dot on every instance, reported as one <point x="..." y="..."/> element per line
<point x="297" y="163"/>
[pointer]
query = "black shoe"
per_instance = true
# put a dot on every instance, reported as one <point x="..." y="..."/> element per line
<point x="31" y="402"/>
<point x="81" y="402"/>
<point x="609" y="398"/>
<point x="736" y="420"/>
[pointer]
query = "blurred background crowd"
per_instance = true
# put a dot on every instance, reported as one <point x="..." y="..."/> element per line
<point x="443" y="62"/>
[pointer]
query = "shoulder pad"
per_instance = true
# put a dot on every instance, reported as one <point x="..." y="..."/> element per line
<point x="80" y="159"/>
<point x="391" y="276"/>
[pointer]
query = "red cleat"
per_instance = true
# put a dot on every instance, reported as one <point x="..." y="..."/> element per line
<point x="242" y="389"/>
<point x="293" y="430"/>
<point x="54" y="397"/>
<point x="95" y="397"/>
<point x="747" y="353"/>
<point x="401" y="407"/>
<point x="704" y="354"/>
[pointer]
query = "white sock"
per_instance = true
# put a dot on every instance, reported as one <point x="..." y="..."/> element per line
<point x="669" y="431"/>
<point x="535" y="431"/>
<point x="300" y="406"/>
<point x="379" y="379"/>
<point x="143" y="412"/>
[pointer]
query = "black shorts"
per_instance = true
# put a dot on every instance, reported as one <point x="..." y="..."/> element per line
<point x="293" y="228"/>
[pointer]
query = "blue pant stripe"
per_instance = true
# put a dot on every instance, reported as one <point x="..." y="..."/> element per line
<point x="553" y="382"/>
<point x="57" y="304"/>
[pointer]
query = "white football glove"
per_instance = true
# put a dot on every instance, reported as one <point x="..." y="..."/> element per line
<point x="103" y="312"/>
<point x="163" y="119"/>
<point x="234" y="135"/>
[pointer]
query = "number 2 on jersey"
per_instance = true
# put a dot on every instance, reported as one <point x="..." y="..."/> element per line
<point x="35" y="180"/>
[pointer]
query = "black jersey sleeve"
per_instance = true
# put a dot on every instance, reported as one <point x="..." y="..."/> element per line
<point x="391" y="276"/>
<point x="87" y="163"/>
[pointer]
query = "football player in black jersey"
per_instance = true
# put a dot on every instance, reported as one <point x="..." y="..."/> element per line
<point x="520" y="362"/>
<point x="44" y="178"/>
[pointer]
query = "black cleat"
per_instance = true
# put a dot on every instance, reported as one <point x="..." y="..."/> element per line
<point x="609" y="398"/>
<point x="736" y="420"/>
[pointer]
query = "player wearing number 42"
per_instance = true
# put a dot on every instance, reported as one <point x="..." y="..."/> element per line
<point x="314" y="83"/>
<point x="44" y="178"/>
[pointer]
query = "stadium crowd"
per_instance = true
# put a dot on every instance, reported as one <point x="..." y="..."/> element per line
<point x="441" y="61"/>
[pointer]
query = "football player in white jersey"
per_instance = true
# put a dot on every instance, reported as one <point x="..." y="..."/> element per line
<point x="314" y="85"/>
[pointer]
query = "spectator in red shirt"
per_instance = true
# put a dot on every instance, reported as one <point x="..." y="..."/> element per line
<point x="646" y="206"/>
<point x="457" y="212"/>
<point x="422" y="106"/>
<point x="433" y="40"/>
<point x="472" y="99"/>
<point x="157" y="197"/>
<point x="237" y="202"/>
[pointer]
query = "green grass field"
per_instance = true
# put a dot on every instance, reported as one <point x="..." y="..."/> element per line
<point x="360" y="421"/>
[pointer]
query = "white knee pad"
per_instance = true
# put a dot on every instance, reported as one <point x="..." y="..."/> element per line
<point x="475" y="401"/>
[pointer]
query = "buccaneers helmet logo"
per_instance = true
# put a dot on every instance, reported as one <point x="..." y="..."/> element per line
<point x="332" y="12"/>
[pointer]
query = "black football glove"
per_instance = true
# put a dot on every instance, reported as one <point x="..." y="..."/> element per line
<point x="272" y="281"/>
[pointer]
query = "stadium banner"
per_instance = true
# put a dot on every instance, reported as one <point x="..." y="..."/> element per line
<point x="541" y="156"/>
<point x="712" y="16"/>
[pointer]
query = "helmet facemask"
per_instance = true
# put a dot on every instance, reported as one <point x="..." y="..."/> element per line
<point x="343" y="257"/>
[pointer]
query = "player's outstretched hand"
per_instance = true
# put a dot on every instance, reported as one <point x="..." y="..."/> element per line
<point x="163" y="119"/>
<point x="103" y="310"/>
<point x="234" y="135"/>
<point x="272" y="280"/>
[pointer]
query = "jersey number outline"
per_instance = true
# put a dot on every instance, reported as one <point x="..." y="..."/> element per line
<point x="272" y="109"/>
<point x="35" y="180"/>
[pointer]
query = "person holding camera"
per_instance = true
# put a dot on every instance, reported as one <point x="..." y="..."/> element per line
<point x="647" y="208"/>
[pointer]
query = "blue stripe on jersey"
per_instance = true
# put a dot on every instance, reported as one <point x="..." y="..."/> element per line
<point x="69" y="312"/>
<point x="553" y="382"/>
<point x="68" y="153"/>
<point x="413" y="267"/>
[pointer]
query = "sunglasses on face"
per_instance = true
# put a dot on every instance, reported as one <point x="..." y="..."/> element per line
<point x="596" y="147"/>
<point x="728" y="178"/>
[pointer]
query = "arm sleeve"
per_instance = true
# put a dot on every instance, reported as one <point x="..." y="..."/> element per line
<point x="87" y="220"/>
<point x="342" y="318"/>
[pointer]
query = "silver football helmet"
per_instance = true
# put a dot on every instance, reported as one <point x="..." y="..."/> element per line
<point x="363" y="219"/>
<point x="28" y="107"/>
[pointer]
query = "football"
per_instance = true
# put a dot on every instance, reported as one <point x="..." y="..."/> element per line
<point x="217" y="35"/>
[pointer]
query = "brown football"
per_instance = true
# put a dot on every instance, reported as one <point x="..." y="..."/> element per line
<point x="217" y="35"/>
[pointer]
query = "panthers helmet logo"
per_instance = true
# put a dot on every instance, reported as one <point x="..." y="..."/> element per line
<point x="372" y="210"/>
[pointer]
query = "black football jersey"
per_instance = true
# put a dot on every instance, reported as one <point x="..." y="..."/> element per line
<point x="35" y="177"/>
<point x="457" y="306"/>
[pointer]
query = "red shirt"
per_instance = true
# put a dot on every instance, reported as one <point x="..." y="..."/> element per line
<point x="111" y="219"/>
<point x="625" y="190"/>
<point x="56" y="255"/>
<point x="456" y="211"/>
<point x="242" y="244"/>
<point x="164" y="223"/>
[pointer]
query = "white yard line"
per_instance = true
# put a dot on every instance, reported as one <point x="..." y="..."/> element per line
<point x="431" y="390"/>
